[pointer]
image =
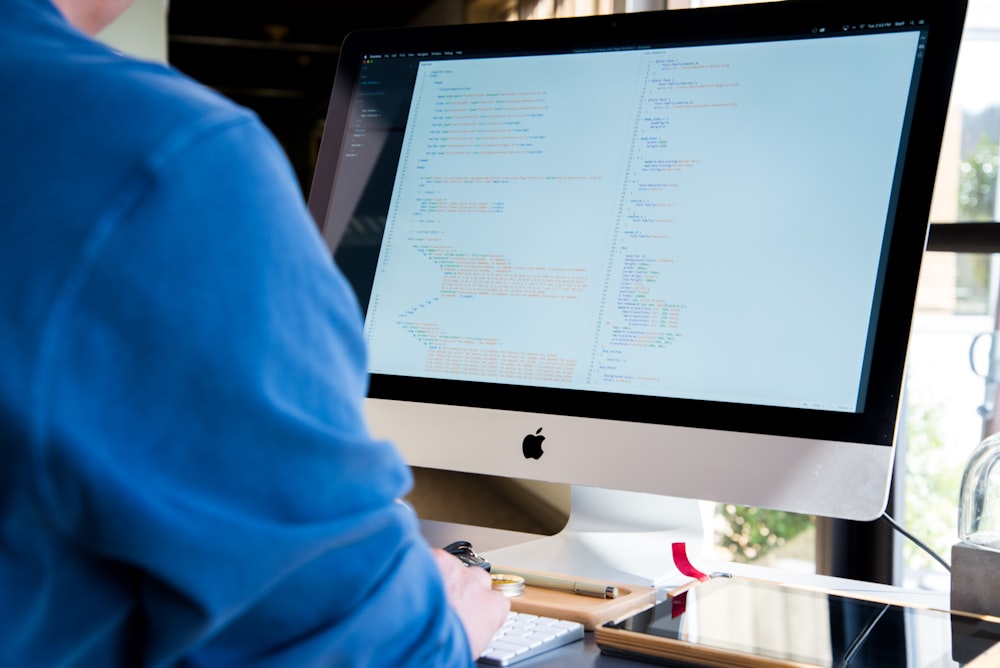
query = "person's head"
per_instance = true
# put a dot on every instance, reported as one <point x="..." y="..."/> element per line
<point x="91" y="16"/>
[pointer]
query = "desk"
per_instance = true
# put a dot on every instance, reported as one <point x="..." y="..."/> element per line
<point x="587" y="653"/>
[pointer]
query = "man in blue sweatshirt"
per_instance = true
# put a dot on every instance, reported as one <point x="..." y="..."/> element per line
<point x="185" y="473"/>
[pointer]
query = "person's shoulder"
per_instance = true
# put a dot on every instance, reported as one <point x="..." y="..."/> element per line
<point x="154" y="100"/>
<point x="136" y="116"/>
<point x="68" y="81"/>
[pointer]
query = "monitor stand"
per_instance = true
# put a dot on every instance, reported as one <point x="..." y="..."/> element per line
<point x="612" y="535"/>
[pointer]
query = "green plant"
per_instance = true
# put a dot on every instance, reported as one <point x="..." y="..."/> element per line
<point x="933" y="478"/>
<point x="977" y="190"/>
<point x="749" y="533"/>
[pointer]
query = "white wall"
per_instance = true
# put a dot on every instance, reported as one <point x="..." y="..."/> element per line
<point x="141" y="31"/>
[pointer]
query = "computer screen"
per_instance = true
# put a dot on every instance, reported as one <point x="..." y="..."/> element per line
<point x="672" y="253"/>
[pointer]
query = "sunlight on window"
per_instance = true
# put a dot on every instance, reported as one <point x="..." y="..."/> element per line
<point x="945" y="398"/>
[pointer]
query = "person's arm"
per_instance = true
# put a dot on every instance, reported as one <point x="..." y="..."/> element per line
<point x="207" y="444"/>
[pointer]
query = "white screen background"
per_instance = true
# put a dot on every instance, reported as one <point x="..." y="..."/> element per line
<point x="699" y="222"/>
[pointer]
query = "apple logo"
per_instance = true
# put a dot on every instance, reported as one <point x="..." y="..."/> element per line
<point x="531" y="446"/>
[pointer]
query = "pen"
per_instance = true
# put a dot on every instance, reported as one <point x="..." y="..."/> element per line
<point x="570" y="585"/>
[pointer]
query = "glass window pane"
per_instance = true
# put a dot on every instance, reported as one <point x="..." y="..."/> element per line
<point x="947" y="395"/>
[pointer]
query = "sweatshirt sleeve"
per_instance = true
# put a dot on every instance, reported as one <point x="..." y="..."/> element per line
<point x="201" y="415"/>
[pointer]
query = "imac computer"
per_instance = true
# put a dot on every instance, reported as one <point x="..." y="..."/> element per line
<point x="656" y="256"/>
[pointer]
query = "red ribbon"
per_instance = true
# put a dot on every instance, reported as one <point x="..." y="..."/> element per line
<point x="683" y="565"/>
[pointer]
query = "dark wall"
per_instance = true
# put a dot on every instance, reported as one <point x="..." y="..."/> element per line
<point x="276" y="57"/>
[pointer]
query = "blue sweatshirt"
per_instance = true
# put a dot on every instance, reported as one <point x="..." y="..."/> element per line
<point x="185" y="473"/>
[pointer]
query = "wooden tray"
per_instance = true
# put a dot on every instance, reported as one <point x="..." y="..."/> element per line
<point x="588" y="610"/>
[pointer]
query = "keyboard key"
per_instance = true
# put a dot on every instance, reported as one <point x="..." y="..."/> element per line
<point x="523" y="636"/>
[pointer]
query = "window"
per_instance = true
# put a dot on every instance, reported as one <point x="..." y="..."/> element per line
<point x="947" y="398"/>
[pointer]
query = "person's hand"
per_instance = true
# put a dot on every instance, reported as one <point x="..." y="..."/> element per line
<point x="470" y="593"/>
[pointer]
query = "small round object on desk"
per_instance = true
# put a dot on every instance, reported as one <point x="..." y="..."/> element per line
<point x="508" y="585"/>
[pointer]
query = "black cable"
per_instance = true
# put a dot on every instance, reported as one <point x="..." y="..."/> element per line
<point x="898" y="527"/>
<point x="860" y="638"/>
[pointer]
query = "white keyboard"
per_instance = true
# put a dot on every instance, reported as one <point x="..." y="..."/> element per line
<point x="523" y="636"/>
